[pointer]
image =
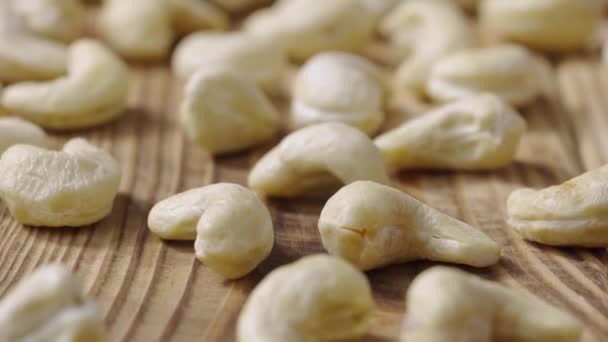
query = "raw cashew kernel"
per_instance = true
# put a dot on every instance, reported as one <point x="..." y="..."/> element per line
<point x="14" y="131"/>
<point x="73" y="187"/>
<point x="574" y="213"/>
<point x="318" y="158"/>
<point x="317" y="298"/>
<point x="259" y="58"/>
<point x="373" y="225"/>
<point x="448" y="305"/>
<point x="93" y="92"/>
<point x="55" y="19"/>
<point x="307" y="27"/>
<point x="338" y="87"/>
<point x="425" y="31"/>
<point x="49" y="305"/>
<point x="476" y="133"/>
<point x="505" y="70"/>
<point x="224" y="111"/>
<point x="553" y="25"/>
<point x="232" y="227"/>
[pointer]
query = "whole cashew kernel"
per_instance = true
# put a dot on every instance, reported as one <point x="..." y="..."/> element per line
<point x="69" y="188"/>
<point x="316" y="158"/>
<point x="317" y="298"/>
<point x="574" y="213"/>
<point x="232" y="227"/>
<point x="448" y="305"/>
<point x="224" y="111"/>
<point x="93" y="92"/>
<point x="373" y="225"/>
<point x="49" y="305"/>
<point x="55" y="19"/>
<point x="338" y="87"/>
<point x="475" y="133"/>
<point x="505" y="70"/>
<point x="14" y="131"/>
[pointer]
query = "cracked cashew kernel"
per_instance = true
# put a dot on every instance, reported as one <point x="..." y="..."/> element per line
<point x="552" y="25"/>
<point x="317" y="298"/>
<point x="232" y="227"/>
<point x="338" y="87"/>
<point x="93" y="92"/>
<point x="318" y="158"/>
<point x="574" y="213"/>
<point x="49" y="305"/>
<point x="476" y="133"/>
<point x="505" y="70"/>
<point x="448" y="305"/>
<point x="307" y="27"/>
<point x="224" y="111"/>
<point x="14" y="131"/>
<point x="426" y="30"/>
<point x="373" y="225"/>
<point x="55" y="19"/>
<point x="259" y="58"/>
<point x="69" y="188"/>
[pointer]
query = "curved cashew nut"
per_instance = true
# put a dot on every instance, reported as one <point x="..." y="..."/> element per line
<point x="232" y="227"/>
<point x="338" y="87"/>
<point x="55" y="19"/>
<point x="571" y="214"/>
<point x="426" y="30"/>
<point x="287" y="306"/>
<point x="373" y="225"/>
<point x="14" y="131"/>
<point x="93" y="92"/>
<point x="49" y="305"/>
<point x="475" y="133"/>
<point x="448" y="305"/>
<point x="71" y="188"/>
<point x="315" y="158"/>
<point x="224" y="111"/>
<point x="505" y="70"/>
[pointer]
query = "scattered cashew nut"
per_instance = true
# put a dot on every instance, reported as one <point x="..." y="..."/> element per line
<point x="14" y="131"/>
<point x="55" y="19"/>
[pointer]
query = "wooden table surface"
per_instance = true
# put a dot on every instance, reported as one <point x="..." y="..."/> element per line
<point x="152" y="290"/>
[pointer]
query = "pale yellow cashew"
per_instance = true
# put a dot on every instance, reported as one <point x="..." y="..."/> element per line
<point x="317" y="298"/>
<point x="55" y="19"/>
<point x="574" y="213"/>
<point x="448" y="305"/>
<point x="49" y="305"/>
<point x="93" y="92"/>
<point x="373" y="225"/>
<point x="14" y="131"/>
<point x="69" y="188"/>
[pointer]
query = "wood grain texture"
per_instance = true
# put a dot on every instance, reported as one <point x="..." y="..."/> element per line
<point x="151" y="290"/>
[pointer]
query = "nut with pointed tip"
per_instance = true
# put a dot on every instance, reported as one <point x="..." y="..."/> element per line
<point x="574" y="213"/>
<point x="373" y="225"/>
<point x="448" y="305"/>
<point x="49" y="305"/>
<point x="338" y="87"/>
<point x="92" y="93"/>
<point x="15" y="130"/>
<point x="425" y="31"/>
<point x="287" y="306"/>
<point x="505" y="70"/>
<point x="55" y="19"/>
<point x="232" y="227"/>
<point x="73" y="187"/>
<point x="476" y="133"/>
<point x="318" y="158"/>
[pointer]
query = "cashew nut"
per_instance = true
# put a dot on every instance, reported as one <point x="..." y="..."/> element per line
<point x="55" y="19"/>
<point x="318" y="158"/>
<point x="224" y="111"/>
<point x="426" y="30"/>
<point x="317" y="298"/>
<point x="232" y="227"/>
<point x="338" y="87"/>
<point x="93" y="92"/>
<point x="17" y="131"/>
<point x="71" y="188"/>
<point x="49" y="305"/>
<point x="574" y="213"/>
<point x="505" y="70"/>
<point x="448" y="305"/>
<point x="373" y="225"/>
<point x="474" y="133"/>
